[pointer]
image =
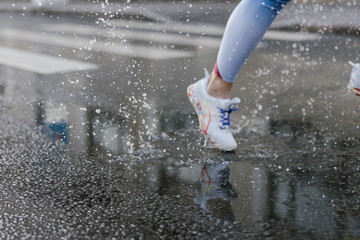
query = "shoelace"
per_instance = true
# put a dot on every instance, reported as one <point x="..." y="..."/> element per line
<point x="225" y="116"/>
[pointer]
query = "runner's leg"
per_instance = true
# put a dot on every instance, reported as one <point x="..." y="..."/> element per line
<point x="244" y="30"/>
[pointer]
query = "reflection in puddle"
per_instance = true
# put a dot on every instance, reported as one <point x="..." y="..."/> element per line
<point x="2" y="89"/>
<point x="88" y="128"/>
<point x="252" y="183"/>
<point x="108" y="132"/>
<point x="304" y="203"/>
<point x="53" y="120"/>
<point x="258" y="197"/>
<point x="213" y="187"/>
<point x="352" y="230"/>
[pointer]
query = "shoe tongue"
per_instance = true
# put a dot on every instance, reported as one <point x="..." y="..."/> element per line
<point x="226" y="103"/>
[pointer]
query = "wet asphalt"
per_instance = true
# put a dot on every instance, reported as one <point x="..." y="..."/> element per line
<point x="115" y="152"/>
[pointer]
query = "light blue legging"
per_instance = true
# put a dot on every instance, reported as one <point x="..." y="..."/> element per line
<point x="244" y="30"/>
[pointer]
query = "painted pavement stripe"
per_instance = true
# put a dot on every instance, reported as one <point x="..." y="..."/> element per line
<point x="140" y="31"/>
<point x="76" y="42"/>
<point x="215" y="30"/>
<point x="291" y="36"/>
<point x="40" y="63"/>
<point x="202" y="29"/>
<point x="169" y="38"/>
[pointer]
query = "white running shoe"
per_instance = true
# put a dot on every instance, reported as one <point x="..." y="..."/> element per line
<point x="354" y="84"/>
<point x="213" y="114"/>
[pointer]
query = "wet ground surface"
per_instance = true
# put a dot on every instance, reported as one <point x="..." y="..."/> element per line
<point x="115" y="152"/>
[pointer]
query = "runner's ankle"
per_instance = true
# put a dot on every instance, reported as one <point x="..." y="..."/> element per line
<point x="218" y="88"/>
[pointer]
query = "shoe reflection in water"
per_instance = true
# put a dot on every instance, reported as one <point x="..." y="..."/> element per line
<point x="213" y="190"/>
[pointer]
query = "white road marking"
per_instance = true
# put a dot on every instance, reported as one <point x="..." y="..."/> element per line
<point x="169" y="38"/>
<point x="98" y="45"/>
<point x="211" y="30"/>
<point x="140" y="31"/>
<point x="203" y="29"/>
<point x="47" y="64"/>
<point x="40" y="63"/>
<point x="291" y="36"/>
